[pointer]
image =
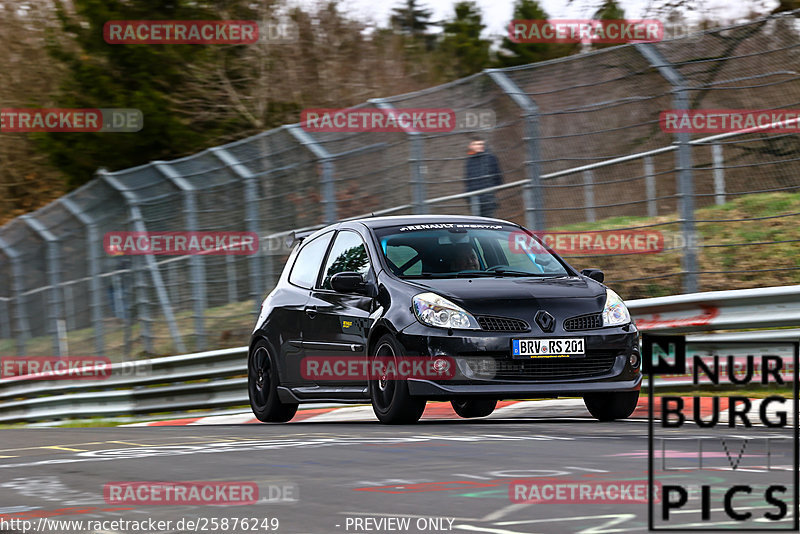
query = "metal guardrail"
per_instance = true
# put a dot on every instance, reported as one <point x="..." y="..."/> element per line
<point x="741" y="309"/>
<point x="216" y="379"/>
<point x="201" y="381"/>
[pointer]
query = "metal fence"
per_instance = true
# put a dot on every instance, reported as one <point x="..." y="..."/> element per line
<point x="579" y="143"/>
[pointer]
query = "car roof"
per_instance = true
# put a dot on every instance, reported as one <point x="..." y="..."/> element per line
<point x="397" y="220"/>
<point x="381" y="222"/>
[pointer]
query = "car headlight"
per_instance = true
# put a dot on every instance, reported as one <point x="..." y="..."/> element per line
<point x="615" y="313"/>
<point x="433" y="310"/>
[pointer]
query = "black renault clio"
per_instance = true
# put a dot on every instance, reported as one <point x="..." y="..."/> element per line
<point x="483" y="296"/>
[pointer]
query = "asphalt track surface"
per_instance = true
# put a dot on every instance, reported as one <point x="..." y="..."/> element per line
<point x="441" y="475"/>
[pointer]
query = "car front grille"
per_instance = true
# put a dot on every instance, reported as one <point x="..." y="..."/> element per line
<point x="584" y="322"/>
<point x="502" y="324"/>
<point x="495" y="367"/>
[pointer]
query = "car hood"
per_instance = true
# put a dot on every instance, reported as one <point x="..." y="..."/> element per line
<point x="521" y="297"/>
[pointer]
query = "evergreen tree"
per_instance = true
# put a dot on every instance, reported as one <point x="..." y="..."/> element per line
<point x="512" y="53"/>
<point x="140" y="76"/>
<point x="609" y="10"/>
<point x="411" y="19"/>
<point x="462" y="47"/>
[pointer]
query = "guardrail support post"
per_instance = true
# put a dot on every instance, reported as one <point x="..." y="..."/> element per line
<point x="685" y="188"/>
<point x="650" y="187"/>
<point x="416" y="159"/>
<point x="5" y="319"/>
<point x="197" y="261"/>
<point x="251" y="214"/>
<point x="54" y="304"/>
<point x="325" y="158"/>
<point x="719" y="174"/>
<point x="588" y="195"/>
<point x="23" y="329"/>
<point x="158" y="282"/>
<point x="534" y="193"/>
<point x="93" y="259"/>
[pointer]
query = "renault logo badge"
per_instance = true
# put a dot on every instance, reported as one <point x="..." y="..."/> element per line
<point x="546" y="321"/>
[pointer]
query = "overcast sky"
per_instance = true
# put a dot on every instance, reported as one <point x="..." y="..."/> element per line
<point x="497" y="13"/>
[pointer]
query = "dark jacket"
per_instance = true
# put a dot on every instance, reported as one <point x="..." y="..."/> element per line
<point x="482" y="170"/>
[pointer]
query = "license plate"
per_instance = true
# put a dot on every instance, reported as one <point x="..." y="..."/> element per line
<point x="547" y="348"/>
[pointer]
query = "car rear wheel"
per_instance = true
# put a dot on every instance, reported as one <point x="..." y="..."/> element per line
<point x="610" y="406"/>
<point x="262" y="387"/>
<point x="468" y="408"/>
<point x="391" y="400"/>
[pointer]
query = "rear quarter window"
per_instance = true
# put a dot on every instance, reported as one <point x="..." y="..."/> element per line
<point x="308" y="261"/>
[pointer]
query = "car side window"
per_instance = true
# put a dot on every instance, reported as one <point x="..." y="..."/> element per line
<point x="306" y="264"/>
<point x="348" y="253"/>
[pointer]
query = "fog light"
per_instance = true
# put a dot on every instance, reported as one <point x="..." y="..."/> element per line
<point x="441" y="365"/>
<point x="634" y="360"/>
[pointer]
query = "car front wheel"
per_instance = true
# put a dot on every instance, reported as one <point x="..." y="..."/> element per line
<point x="610" y="406"/>
<point x="391" y="400"/>
<point x="262" y="386"/>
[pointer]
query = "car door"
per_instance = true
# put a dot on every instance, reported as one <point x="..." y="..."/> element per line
<point x="336" y="324"/>
<point x="290" y="305"/>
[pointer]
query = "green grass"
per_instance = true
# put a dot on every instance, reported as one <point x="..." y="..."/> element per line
<point x="740" y="253"/>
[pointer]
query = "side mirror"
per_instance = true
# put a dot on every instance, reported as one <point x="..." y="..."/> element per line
<point x="348" y="282"/>
<point x="594" y="274"/>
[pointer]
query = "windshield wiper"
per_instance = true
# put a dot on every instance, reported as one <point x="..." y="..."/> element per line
<point x="501" y="270"/>
<point x="492" y="273"/>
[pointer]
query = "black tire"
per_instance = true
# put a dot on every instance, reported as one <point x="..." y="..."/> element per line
<point x="611" y="406"/>
<point x="391" y="401"/>
<point x="262" y="384"/>
<point x="469" y="408"/>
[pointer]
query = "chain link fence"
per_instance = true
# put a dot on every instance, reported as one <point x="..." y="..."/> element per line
<point x="580" y="146"/>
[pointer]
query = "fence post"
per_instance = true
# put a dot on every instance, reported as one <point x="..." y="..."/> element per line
<point x="142" y="309"/>
<point x="534" y="194"/>
<point x="233" y="285"/>
<point x="92" y="246"/>
<point x="5" y="319"/>
<point x="325" y="158"/>
<point x="719" y="173"/>
<point x="650" y="186"/>
<point x="196" y="261"/>
<point x="685" y="192"/>
<point x="136" y="216"/>
<point x="588" y="195"/>
<point x="54" y="304"/>
<point x="23" y="329"/>
<point x="251" y="214"/>
<point x="416" y="159"/>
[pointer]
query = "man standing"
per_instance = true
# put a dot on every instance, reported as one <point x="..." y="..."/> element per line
<point x="481" y="171"/>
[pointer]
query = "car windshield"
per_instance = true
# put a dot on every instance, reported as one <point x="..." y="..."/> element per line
<point x="454" y="250"/>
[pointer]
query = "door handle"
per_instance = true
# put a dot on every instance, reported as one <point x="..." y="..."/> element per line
<point x="311" y="311"/>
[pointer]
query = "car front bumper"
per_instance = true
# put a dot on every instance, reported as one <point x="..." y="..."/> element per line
<point x="485" y="367"/>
